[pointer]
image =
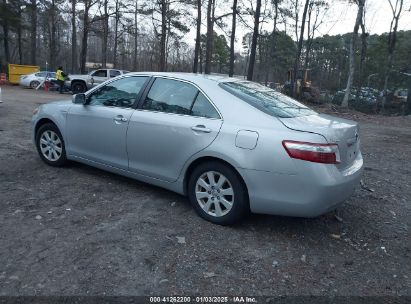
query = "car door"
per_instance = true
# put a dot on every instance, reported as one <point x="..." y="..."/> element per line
<point x="97" y="131"/>
<point x="99" y="76"/>
<point x="175" y="121"/>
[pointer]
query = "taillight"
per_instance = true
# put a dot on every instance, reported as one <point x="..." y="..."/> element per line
<point x="317" y="153"/>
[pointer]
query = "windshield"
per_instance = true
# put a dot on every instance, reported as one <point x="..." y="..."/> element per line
<point x="267" y="100"/>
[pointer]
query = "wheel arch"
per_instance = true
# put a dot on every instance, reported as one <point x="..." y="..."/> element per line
<point x="42" y="122"/>
<point x="204" y="159"/>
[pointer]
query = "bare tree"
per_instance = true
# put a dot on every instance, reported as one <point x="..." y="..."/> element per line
<point x="5" y="25"/>
<point x="392" y="39"/>
<point x="210" y="35"/>
<point x="88" y="4"/>
<point x="33" y="32"/>
<point x="104" y="40"/>
<point x="299" y="47"/>
<point x="135" y="35"/>
<point x="254" y="41"/>
<point x="353" y="43"/>
<point x="163" y="8"/>
<point x="317" y="8"/>
<point x="198" y="37"/>
<point x="232" y="39"/>
<point x="73" y="37"/>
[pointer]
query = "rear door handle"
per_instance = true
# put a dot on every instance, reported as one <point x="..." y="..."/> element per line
<point x="201" y="128"/>
<point x="120" y="118"/>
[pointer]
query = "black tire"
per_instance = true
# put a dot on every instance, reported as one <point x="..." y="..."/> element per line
<point x="78" y="87"/>
<point x="34" y="84"/>
<point x="240" y="207"/>
<point x="62" y="160"/>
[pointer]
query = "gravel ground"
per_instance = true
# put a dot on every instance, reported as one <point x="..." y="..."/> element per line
<point x="82" y="231"/>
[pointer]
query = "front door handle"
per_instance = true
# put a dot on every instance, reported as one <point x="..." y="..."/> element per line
<point x="120" y="118"/>
<point x="201" y="128"/>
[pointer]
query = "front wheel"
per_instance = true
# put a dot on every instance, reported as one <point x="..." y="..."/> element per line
<point x="218" y="194"/>
<point x="50" y="145"/>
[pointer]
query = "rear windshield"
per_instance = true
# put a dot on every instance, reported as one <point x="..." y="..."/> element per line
<point x="267" y="100"/>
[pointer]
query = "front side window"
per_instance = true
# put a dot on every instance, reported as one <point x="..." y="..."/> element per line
<point x="100" y="73"/>
<point x="266" y="100"/>
<point x="119" y="93"/>
<point x="170" y="96"/>
<point x="41" y="74"/>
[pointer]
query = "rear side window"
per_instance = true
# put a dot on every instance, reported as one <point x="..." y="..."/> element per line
<point x="173" y="96"/>
<point x="203" y="108"/>
<point x="170" y="96"/>
<point x="266" y="100"/>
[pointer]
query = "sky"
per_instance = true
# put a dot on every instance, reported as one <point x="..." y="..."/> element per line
<point x="378" y="15"/>
<point x="340" y="19"/>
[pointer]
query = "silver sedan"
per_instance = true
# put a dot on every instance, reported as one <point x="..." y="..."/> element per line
<point x="33" y="80"/>
<point x="232" y="146"/>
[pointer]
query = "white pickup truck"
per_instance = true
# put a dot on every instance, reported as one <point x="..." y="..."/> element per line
<point x="82" y="83"/>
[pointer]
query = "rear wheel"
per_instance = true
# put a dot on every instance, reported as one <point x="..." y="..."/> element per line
<point x="34" y="84"/>
<point x="78" y="87"/>
<point x="218" y="194"/>
<point x="50" y="145"/>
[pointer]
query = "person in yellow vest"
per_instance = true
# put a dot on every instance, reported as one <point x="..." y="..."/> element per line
<point x="61" y="77"/>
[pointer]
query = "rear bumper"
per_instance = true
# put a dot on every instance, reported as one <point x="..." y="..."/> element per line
<point x="315" y="190"/>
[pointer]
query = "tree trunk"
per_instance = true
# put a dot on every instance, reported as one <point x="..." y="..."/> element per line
<point x="362" y="61"/>
<point x="33" y="31"/>
<point x="352" y="53"/>
<point x="408" y="105"/>
<point x="308" y="42"/>
<point x="254" y="41"/>
<point x="73" y="37"/>
<point x="232" y="40"/>
<point x="271" y="64"/>
<point x="210" y="36"/>
<point x="198" y="38"/>
<point x="162" y="63"/>
<point x="392" y="39"/>
<point x="52" y="37"/>
<point x="201" y="60"/>
<point x="6" y="36"/>
<point x="19" y="32"/>
<point x="117" y="19"/>
<point x="84" y="41"/>
<point x="299" y="47"/>
<point x="104" y="39"/>
<point x="135" y="37"/>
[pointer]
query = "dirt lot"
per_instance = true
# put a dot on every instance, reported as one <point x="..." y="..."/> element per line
<point x="82" y="231"/>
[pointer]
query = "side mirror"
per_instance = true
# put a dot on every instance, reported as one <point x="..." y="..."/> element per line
<point x="80" y="99"/>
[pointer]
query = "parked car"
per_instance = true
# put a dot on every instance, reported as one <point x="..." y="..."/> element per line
<point x="82" y="83"/>
<point x="33" y="80"/>
<point x="232" y="146"/>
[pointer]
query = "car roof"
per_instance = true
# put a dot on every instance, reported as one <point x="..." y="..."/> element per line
<point x="217" y="78"/>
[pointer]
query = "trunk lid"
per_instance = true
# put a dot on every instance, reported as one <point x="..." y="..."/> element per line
<point x="342" y="132"/>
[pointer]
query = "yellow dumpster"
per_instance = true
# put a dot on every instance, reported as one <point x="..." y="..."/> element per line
<point x="16" y="70"/>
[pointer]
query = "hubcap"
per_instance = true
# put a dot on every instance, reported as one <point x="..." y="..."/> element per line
<point x="50" y="145"/>
<point x="214" y="193"/>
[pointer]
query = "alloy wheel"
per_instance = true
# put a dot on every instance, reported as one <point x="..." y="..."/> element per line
<point x="214" y="193"/>
<point x="51" y="145"/>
